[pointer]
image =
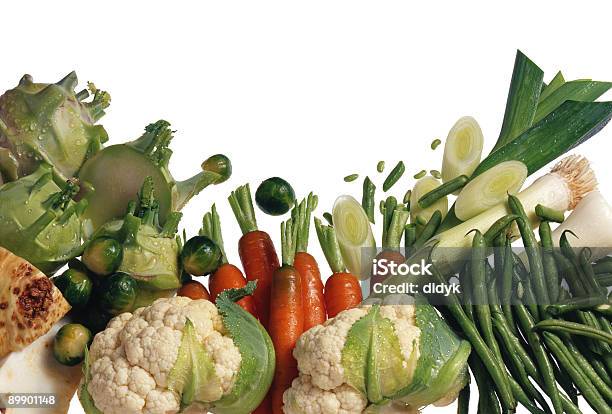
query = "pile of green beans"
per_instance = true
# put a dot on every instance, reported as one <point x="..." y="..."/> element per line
<point x="530" y="333"/>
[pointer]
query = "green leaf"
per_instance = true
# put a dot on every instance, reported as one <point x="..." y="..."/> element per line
<point x="523" y="97"/>
<point x="557" y="81"/>
<point x="578" y="90"/>
<point x="84" y="397"/>
<point x="372" y="358"/>
<point x="441" y="369"/>
<point x="258" y="358"/>
<point x="193" y="374"/>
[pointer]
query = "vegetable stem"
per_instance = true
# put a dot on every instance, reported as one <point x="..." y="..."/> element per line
<point x="330" y="246"/>
<point x="242" y="205"/>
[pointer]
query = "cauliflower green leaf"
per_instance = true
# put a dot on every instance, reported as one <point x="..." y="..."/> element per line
<point x="84" y="397"/>
<point x="193" y="375"/>
<point x="372" y="358"/>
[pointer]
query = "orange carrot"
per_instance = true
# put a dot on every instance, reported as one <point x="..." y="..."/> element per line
<point x="307" y="267"/>
<point x="286" y="318"/>
<point x="194" y="290"/>
<point x="256" y="250"/>
<point x="265" y="407"/>
<point x="228" y="276"/>
<point x="342" y="289"/>
<point x="342" y="292"/>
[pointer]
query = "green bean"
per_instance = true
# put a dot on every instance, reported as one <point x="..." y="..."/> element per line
<point x="463" y="401"/>
<point x="367" y="201"/>
<point x="420" y="175"/>
<point x="597" y="364"/>
<point x="506" y="285"/>
<point x="499" y="226"/>
<point x="514" y="344"/>
<point x="387" y="209"/>
<point x="393" y="177"/>
<point x="429" y="230"/>
<point x="590" y="281"/>
<point x="522" y="397"/>
<point x="603" y="265"/>
<point x="573" y="328"/>
<point x="479" y="287"/>
<point x="435" y="143"/>
<point x="445" y="189"/>
<point x="604" y="309"/>
<point x="569" y="364"/>
<point x="588" y="318"/>
<point x="568" y="252"/>
<point x="406" y="199"/>
<point x="380" y="166"/>
<point x="533" y="254"/>
<point x="548" y="261"/>
<point x="351" y="177"/>
<point x="421" y="221"/>
<point x="465" y="281"/>
<point x="549" y="214"/>
<point x="409" y="238"/>
<point x="566" y="268"/>
<point x="487" y="400"/>
<point x="541" y="356"/>
<point x="435" y="174"/>
<point x="328" y="217"/>
<point x="574" y="304"/>
<point x="589" y="371"/>
<point x="495" y="368"/>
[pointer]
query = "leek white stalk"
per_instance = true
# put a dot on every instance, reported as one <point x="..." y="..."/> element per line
<point x="562" y="189"/>
<point x="490" y="188"/>
<point x="354" y="235"/>
<point x="591" y="222"/>
<point x="463" y="149"/>
<point x="422" y="187"/>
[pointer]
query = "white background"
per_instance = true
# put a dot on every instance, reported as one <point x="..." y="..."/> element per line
<point x="310" y="91"/>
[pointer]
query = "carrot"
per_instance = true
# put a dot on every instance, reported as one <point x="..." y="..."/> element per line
<point x="227" y="276"/>
<point x="194" y="290"/>
<point x="342" y="289"/>
<point x="286" y="318"/>
<point x="307" y="267"/>
<point x="256" y="250"/>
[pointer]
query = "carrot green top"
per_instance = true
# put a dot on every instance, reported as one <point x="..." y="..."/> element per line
<point x="242" y="205"/>
<point x="211" y="228"/>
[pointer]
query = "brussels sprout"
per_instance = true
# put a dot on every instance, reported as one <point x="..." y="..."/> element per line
<point x="118" y="294"/>
<point x="219" y="164"/>
<point x="70" y="342"/>
<point x="275" y="196"/>
<point x="103" y="255"/>
<point x="76" y="287"/>
<point x="200" y="256"/>
<point x="95" y="319"/>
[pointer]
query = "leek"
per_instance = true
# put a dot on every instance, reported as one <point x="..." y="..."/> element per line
<point x="354" y="235"/>
<point x="554" y="84"/>
<point x="490" y="188"/>
<point x="422" y="187"/>
<point x="463" y="149"/>
<point x="561" y="189"/>
<point x="578" y="90"/>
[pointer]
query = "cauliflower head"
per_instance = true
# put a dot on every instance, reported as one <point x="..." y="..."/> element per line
<point x="410" y="345"/>
<point x="178" y="353"/>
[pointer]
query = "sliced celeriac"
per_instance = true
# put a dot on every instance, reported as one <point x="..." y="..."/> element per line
<point x="422" y="187"/>
<point x="490" y="188"/>
<point x="354" y="235"/>
<point x="463" y="149"/>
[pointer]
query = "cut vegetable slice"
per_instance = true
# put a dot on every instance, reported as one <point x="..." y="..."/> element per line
<point x="463" y="149"/>
<point x="523" y="97"/>
<point x="490" y="188"/>
<point x="354" y="235"/>
<point x="422" y="187"/>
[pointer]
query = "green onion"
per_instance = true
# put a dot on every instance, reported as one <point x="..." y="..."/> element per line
<point x="435" y="174"/>
<point x="445" y="189"/>
<point x="435" y="143"/>
<point x="354" y="235"/>
<point x="522" y="102"/>
<point x="462" y="149"/>
<point x="350" y="178"/>
<point x="420" y="175"/>
<point x="549" y="214"/>
<point x="422" y="187"/>
<point x="490" y="188"/>
<point x="395" y="174"/>
<point x="380" y="167"/>
<point x="367" y="200"/>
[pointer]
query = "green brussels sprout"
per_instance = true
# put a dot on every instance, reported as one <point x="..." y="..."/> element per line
<point x="219" y="164"/>
<point x="103" y="255"/>
<point x="275" y="196"/>
<point x="200" y="256"/>
<point x="118" y="294"/>
<point x="70" y="342"/>
<point x="76" y="287"/>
